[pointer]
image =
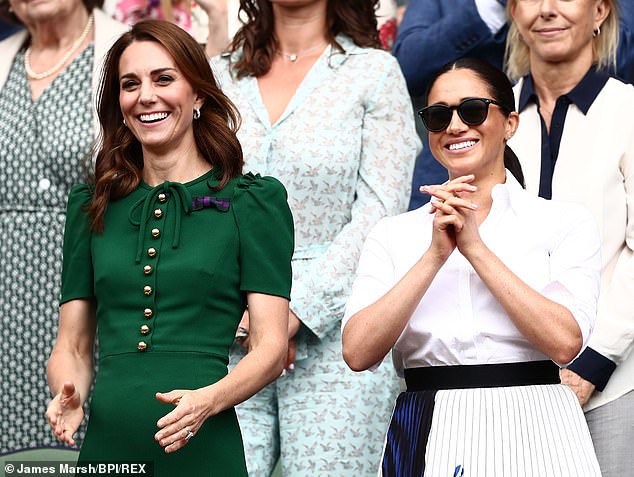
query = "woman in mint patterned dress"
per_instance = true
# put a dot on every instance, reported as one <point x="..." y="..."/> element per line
<point x="330" y="117"/>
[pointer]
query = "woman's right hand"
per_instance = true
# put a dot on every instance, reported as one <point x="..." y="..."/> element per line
<point x="65" y="413"/>
<point x="446" y="201"/>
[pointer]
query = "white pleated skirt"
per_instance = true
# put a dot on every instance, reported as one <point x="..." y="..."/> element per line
<point x="525" y="431"/>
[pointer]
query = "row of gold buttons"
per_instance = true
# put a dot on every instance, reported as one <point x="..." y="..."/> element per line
<point x="148" y="313"/>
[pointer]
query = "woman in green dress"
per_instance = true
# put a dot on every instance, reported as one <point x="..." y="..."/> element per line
<point x="163" y="252"/>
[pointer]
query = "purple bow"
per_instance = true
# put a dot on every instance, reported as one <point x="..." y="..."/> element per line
<point x="221" y="203"/>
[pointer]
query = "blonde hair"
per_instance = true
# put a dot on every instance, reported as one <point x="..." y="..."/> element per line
<point x="516" y="56"/>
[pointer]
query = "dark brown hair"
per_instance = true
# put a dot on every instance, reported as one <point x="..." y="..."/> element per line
<point x="7" y="14"/>
<point x="353" y="18"/>
<point x="119" y="163"/>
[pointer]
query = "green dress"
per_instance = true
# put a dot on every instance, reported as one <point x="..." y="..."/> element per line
<point x="169" y="276"/>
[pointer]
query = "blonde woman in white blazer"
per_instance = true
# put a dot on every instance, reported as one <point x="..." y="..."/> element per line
<point x="576" y="144"/>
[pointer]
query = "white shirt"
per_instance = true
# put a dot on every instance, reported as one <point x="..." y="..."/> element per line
<point x="551" y="246"/>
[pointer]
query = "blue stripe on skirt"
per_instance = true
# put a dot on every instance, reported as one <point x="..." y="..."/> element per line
<point x="407" y="435"/>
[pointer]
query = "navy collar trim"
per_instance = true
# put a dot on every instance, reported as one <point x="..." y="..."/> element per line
<point x="583" y="95"/>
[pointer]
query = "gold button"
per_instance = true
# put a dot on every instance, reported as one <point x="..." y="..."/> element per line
<point x="151" y="252"/>
<point x="145" y="329"/>
<point x="162" y="197"/>
<point x="158" y="213"/>
<point x="156" y="233"/>
<point x="147" y="290"/>
<point x="147" y="312"/>
<point x="141" y="346"/>
<point x="147" y="269"/>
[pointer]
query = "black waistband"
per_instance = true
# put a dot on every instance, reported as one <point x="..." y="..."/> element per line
<point x="482" y="375"/>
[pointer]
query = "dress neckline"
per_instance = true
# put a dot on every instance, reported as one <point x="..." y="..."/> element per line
<point x="195" y="181"/>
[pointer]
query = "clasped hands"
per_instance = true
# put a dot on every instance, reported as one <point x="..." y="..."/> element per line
<point x="455" y="222"/>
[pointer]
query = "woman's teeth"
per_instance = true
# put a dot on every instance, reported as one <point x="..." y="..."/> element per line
<point x="150" y="118"/>
<point x="461" y="145"/>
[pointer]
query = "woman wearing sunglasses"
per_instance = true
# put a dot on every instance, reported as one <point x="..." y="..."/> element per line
<point x="480" y="294"/>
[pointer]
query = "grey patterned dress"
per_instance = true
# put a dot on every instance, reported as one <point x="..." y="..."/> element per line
<point x="43" y="150"/>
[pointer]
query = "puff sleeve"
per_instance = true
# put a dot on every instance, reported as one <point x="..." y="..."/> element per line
<point x="265" y="228"/>
<point x="77" y="268"/>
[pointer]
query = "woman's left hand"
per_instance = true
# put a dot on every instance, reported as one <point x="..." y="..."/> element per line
<point x="182" y="423"/>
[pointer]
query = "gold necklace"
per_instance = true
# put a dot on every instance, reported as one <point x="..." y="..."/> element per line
<point x="73" y="48"/>
<point x="294" y="56"/>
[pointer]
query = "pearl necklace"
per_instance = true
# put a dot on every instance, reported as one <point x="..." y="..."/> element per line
<point x="73" y="48"/>
<point x="294" y="56"/>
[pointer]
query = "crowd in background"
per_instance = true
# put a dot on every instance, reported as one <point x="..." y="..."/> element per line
<point x="335" y="123"/>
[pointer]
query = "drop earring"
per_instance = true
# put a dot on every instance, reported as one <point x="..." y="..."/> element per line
<point x="196" y="113"/>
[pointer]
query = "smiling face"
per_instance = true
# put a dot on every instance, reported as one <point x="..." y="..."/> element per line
<point x="465" y="149"/>
<point x="558" y="31"/>
<point x="156" y="100"/>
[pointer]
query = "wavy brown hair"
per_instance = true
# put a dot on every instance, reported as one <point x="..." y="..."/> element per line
<point x="353" y="18"/>
<point x="119" y="163"/>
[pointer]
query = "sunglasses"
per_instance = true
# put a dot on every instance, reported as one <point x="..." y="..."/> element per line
<point x="472" y="111"/>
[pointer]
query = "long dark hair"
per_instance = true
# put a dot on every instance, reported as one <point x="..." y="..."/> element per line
<point x="119" y="163"/>
<point x="354" y="18"/>
<point x="500" y="89"/>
